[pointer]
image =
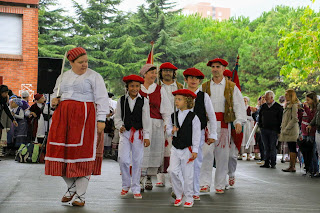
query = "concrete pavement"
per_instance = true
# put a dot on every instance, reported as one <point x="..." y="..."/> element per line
<point x="25" y="188"/>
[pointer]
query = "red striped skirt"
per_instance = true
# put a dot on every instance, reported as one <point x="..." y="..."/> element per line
<point x="73" y="147"/>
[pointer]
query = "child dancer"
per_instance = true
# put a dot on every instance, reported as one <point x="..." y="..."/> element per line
<point x="184" y="146"/>
<point x="203" y="109"/>
<point x="132" y="119"/>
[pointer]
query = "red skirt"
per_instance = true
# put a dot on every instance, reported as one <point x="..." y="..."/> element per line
<point x="74" y="149"/>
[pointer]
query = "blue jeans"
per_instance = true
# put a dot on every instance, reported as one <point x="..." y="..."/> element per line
<point x="314" y="166"/>
<point x="269" y="139"/>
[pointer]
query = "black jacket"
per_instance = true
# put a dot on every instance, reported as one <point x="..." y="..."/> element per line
<point x="271" y="118"/>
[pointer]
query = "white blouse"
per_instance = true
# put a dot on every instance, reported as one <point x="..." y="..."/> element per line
<point x="88" y="87"/>
<point x="165" y="106"/>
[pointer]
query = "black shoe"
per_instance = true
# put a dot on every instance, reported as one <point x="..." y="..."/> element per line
<point x="273" y="167"/>
<point x="265" y="166"/>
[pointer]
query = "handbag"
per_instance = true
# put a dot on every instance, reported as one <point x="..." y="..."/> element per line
<point x="305" y="144"/>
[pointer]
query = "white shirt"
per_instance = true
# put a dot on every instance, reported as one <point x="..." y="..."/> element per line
<point x="196" y="128"/>
<point x="169" y="89"/>
<point x="88" y="87"/>
<point x="165" y="107"/>
<point x="211" y="115"/>
<point x="113" y="104"/>
<point x="20" y="115"/>
<point x="218" y="101"/>
<point x="146" y="121"/>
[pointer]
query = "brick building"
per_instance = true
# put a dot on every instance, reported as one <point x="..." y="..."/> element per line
<point x="207" y="10"/>
<point x="19" y="45"/>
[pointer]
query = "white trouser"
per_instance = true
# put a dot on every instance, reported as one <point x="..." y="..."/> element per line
<point x="222" y="160"/>
<point x="107" y="140"/>
<point x="207" y="164"/>
<point x="220" y="151"/>
<point x="126" y="150"/>
<point x="233" y="155"/>
<point x="197" y="166"/>
<point x="179" y="164"/>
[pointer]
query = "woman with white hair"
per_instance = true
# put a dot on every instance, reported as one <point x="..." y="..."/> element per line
<point x="247" y="129"/>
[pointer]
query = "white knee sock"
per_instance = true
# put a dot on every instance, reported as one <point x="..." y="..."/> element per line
<point x="71" y="184"/>
<point x="81" y="186"/>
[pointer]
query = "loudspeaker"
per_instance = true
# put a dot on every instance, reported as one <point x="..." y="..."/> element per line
<point x="49" y="70"/>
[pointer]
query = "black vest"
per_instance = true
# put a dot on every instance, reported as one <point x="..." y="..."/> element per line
<point x="134" y="118"/>
<point x="200" y="109"/>
<point x="184" y="136"/>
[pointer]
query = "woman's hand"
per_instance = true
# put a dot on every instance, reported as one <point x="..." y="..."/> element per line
<point x="100" y="127"/>
<point x="55" y="102"/>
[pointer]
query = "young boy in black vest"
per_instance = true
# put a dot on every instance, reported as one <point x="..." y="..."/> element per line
<point x="185" y="144"/>
<point x="133" y="121"/>
<point x="204" y="110"/>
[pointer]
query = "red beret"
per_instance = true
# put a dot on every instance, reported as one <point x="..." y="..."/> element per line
<point x="168" y="65"/>
<point x="228" y="73"/>
<point x="37" y="96"/>
<point x="185" y="92"/>
<point x="193" y="72"/>
<point x="75" y="52"/>
<point x="219" y="60"/>
<point x="136" y="78"/>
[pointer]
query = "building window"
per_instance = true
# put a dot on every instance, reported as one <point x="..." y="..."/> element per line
<point x="11" y="34"/>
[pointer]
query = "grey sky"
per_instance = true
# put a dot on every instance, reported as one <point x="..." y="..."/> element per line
<point x="247" y="8"/>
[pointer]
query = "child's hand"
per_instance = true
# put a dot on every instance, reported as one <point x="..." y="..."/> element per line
<point x="194" y="155"/>
<point x="122" y="129"/>
<point x="210" y="141"/>
<point x="33" y="114"/>
<point x="174" y="129"/>
<point x="146" y="142"/>
<point x="15" y="123"/>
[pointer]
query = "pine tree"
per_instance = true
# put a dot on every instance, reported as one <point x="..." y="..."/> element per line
<point x="54" y="29"/>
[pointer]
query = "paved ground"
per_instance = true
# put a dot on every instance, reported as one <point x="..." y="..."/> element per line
<point x="25" y="188"/>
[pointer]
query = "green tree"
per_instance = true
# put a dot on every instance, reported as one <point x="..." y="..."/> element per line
<point x="54" y="29"/>
<point x="299" y="47"/>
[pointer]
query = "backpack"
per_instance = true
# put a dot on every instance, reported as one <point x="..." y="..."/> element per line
<point x="28" y="153"/>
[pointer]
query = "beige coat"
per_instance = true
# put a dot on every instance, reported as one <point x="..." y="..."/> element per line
<point x="290" y="126"/>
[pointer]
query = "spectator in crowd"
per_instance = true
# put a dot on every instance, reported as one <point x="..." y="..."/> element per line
<point x="309" y="132"/>
<point x="270" y="117"/>
<point x="20" y="131"/>
<point x="290" y="127"/>
<point x="255" y="115"/>
<point x="247" y="129"/>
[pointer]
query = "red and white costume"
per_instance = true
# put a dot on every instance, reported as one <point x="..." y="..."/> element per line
<point x="160" y="111"/>
<point x="224" y="151"/>
<point x="72" y="148"/>
<point x="131" y="151"/>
